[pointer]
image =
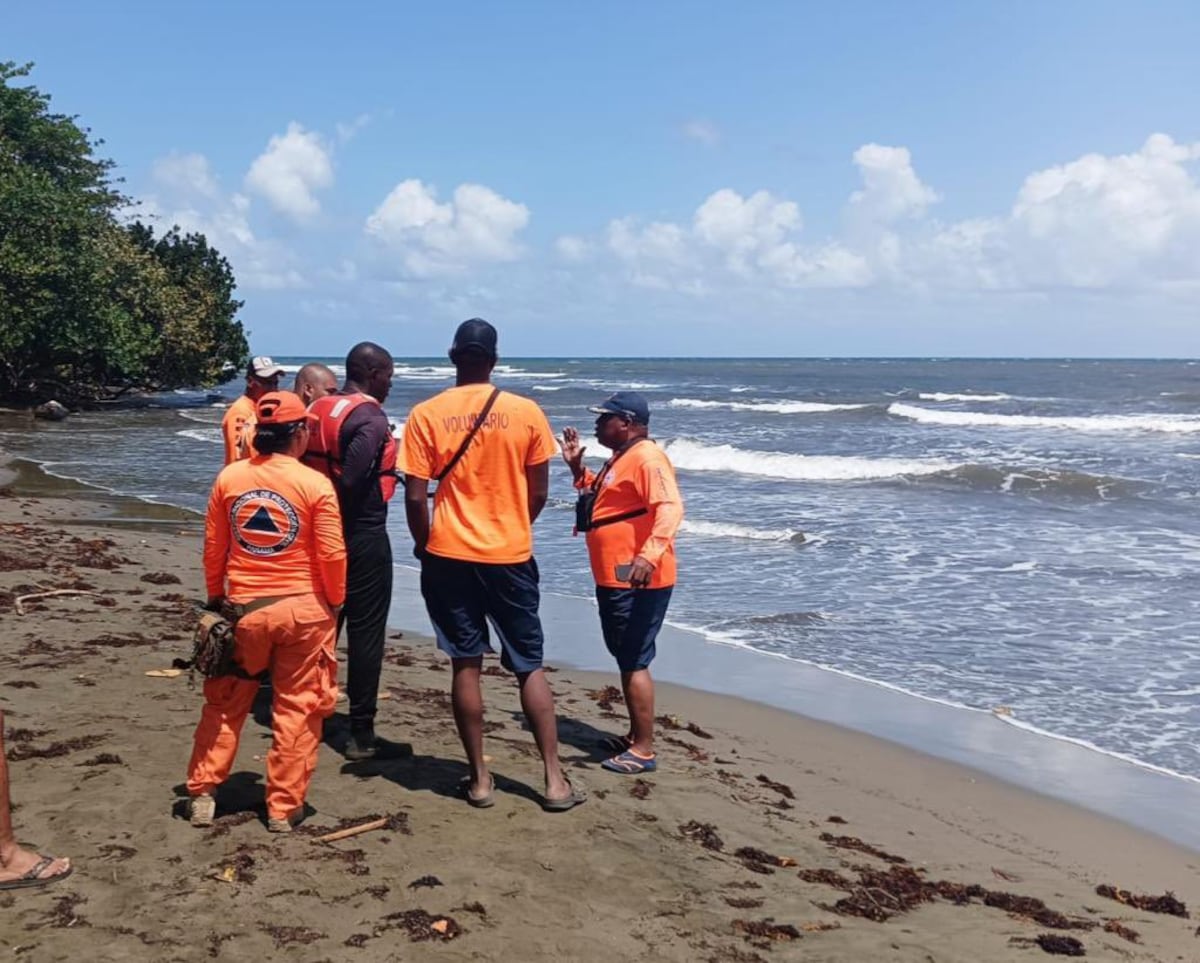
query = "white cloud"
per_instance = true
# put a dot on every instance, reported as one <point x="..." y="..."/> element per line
<point x="573" y="249"/>
<point x="294" y="166"/>
<point x="1129" y="222"/>
<point x="891" y="188"/>
<point x="347" y="131"/>
<point x="704" y="131"/>
<point x="477" y="226"/>
<point x="185" y="192"/>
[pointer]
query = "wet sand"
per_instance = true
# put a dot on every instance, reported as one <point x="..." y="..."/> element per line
<point x="765" y="835"/>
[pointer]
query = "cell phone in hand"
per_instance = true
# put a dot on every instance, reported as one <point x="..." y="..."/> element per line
<point x="623" y="572"/>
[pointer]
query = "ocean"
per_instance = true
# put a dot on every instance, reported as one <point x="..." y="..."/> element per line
<point x="1019" y="537"/>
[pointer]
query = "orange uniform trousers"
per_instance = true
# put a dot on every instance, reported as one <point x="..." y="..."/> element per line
<point x="294" y="638"/>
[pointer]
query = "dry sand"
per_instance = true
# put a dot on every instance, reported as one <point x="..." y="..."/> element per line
<point x="745" y="846"/>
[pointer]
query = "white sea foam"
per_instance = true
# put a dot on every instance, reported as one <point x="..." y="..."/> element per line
<point x="337" y="369"/>
<point x="202" y="434"/>
<point x="948" y="396"/>
<point x="730" y="530"/>
<point x="510" y="371"/>
<point x="548" y="387"/>
<point x="1174" y="424"/>
<point x="695" y="456"/>
<point x="205" y="416"/>
<point x="773" y="407"/>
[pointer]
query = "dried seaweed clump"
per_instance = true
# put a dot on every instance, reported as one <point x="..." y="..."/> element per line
<point x="853" y="842"/>
<point x="1118" y="928"/>
<point x="161" y="578"/>
<point x="640" y="789"/>
<point x="425" y="881"/>
<point x="422" y="926"/>
<point x="607" y="697"/>
<point x="703" y="833"/>
<point x="1167" y="903"/>
<point x="763" y="932"/>
<point x="291" y="935"/>
<point x="1060" y="945"/>
<point x="54" y="750"/>
<point x="779" y="787"/>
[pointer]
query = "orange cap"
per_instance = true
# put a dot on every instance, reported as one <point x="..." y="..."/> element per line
<point x="281" y="408"/>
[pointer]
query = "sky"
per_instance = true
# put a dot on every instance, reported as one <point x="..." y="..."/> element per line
<point x="662" y="179"/>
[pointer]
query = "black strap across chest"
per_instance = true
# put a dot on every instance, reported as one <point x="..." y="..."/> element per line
<point x="462" y="449"/>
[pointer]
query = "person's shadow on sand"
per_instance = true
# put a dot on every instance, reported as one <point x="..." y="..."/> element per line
<point x="241" y="792"/>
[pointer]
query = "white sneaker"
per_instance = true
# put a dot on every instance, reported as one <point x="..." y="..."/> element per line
<point x="203" y="811"/>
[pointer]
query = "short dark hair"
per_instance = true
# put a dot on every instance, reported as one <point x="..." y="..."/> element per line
<point x="363" y="358"/>
<point x="272" y="439"/>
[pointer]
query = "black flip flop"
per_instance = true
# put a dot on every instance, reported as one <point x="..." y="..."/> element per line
<point x="32" y="878"/>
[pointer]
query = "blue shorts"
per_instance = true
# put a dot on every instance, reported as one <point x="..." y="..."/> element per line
<point x="630" y="619"/>
<point x="463" y="597"/>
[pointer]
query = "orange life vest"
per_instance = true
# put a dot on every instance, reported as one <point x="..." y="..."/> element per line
<point x="325" y="446"/>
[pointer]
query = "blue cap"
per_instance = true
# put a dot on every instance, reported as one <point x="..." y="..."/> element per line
<point x="627" y="404"/>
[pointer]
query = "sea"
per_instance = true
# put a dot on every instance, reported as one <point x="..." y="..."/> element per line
<point x="1019" y="537"/>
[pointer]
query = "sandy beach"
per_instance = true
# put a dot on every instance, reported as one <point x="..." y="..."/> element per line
<point x="764" y="836"/>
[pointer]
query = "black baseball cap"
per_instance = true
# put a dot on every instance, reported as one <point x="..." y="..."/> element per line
<point x="627" y="404"/>
<point x="475" y="335"/>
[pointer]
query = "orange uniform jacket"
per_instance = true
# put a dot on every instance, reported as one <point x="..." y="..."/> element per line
<point x="237" y="428"/>
<point x="273" y="528"/>
<point x="642" y="477"/>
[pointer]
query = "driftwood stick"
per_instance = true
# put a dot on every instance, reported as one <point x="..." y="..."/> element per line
<point x="42" y="595"/>
<point x="352" y="831"/>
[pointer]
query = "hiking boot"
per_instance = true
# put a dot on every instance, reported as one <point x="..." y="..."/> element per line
<point x="203" y="810"/>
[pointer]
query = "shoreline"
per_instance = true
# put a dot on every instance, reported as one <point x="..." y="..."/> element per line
<point x="1093" y="780"/>
<point x="755" y="839"/>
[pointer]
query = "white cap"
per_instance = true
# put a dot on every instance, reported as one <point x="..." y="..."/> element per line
<point x="264" y="367"/>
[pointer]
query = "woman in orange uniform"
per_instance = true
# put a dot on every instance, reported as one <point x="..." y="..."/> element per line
<point x="272" y="544"/>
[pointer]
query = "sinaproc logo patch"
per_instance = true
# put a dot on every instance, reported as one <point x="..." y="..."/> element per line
<point x="264" y="522"/>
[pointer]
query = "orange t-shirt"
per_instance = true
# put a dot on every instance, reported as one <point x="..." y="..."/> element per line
<point x="641" y="477"/>
<point x="273" y="528"/>
<point x="481" y="512"/>
<point x="238" y="429"/>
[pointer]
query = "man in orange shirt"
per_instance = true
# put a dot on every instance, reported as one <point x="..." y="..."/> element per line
<point x="273" y="545"/>
<point x="490" y="452"/>
<point x="631" y="510"/>
<point x="237" y="427"/>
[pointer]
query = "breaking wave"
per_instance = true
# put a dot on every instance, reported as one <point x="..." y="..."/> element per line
<point x="774" y="407"/>
<point x="730" y="530"/>
<point x="695" y="456"/>
<point x="946" y="396"/>
<point x="1174" y="424"/>
<point x="212" y="435"/>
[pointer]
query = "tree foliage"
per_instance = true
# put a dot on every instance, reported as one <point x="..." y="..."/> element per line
<point x="92" y="306"/>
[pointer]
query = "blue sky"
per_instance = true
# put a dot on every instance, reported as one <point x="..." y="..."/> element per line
<point x="769" y="178"/>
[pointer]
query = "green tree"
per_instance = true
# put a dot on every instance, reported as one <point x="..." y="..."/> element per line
<point x="90" y="306"/>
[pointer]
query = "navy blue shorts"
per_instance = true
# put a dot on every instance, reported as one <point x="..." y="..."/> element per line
<point x="463" y="597"/>
<point x="630" y="619"/>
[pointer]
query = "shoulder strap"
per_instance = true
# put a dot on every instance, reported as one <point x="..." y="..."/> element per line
<point x="462" y="449"/>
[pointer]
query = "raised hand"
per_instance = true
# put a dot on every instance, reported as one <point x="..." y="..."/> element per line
<point x="572" y="451"/>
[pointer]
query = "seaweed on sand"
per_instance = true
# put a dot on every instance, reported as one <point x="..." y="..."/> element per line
<point x="1167" y="903"/>
<point x="853" y="842"/>
<point x="703" y="833"/>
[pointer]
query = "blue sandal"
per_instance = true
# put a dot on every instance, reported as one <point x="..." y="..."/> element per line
<point x="630" y="763"/>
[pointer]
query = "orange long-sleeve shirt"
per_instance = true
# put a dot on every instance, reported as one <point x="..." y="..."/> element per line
<point x="642" y="477"/>
<point x="237" y="429"/>
<point x="273" y="528"/>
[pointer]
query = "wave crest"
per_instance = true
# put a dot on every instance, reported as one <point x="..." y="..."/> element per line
<point x="773" y="407"/>
<point x="696" y="456"/>
<point x="1173" y="424"/>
